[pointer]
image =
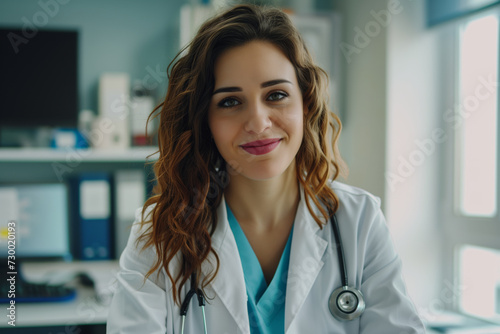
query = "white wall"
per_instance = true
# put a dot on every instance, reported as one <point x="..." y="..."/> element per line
<point x="362" y="142"/>
<point x="414" y="147"/>
<point x="391" y="90"/>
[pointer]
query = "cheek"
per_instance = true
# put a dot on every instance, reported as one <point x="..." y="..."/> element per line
<point x="221" y="132"/>
<point x="294" y="122"/>
<point x="300" y="131"/>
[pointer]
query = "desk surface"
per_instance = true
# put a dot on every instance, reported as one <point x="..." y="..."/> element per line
<point x="456" y="323"/>
<point x="85" y="309"/>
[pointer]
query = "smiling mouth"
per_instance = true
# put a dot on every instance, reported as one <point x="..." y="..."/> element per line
<point x="260" y="147"/>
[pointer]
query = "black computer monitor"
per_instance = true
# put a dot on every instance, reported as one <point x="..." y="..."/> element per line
<point x="38" y="78"/>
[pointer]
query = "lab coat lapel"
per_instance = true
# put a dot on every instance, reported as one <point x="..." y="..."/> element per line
<point x="305" y="260"/>
<point x="229" y="284"/>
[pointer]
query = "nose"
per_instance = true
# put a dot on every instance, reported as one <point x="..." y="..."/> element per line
<point x="258" y="119"/>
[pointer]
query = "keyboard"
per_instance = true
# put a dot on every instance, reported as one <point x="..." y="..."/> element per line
<point x="27" y="292"/>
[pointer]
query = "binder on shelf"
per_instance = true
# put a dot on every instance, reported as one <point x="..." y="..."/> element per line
<point x="92" y="239"/>
<point x="129" y="194"/>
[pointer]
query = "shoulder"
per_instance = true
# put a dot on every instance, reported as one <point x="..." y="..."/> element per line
<point x="140" y="227"/>
<point x="138" y="256"/>
<point x="350" y="196"/>
<point x="360" y="213"/>
<point x="363" y="224"/>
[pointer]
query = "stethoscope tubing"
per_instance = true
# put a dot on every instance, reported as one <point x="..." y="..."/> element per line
<point x="340" y="251"/>
<point x="204" y="319"/>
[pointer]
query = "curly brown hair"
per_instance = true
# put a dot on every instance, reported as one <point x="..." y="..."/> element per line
<point x="190" y="172"/>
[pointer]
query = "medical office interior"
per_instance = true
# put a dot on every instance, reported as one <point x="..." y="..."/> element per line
<point x="415" y="83"/>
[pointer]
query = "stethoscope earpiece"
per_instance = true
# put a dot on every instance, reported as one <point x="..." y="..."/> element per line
<point x="346" y="303"/>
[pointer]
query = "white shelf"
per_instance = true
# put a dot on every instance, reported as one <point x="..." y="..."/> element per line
<point x="134" y="154"/>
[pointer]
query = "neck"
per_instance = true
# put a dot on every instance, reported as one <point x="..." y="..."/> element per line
<point x="264" y="204"/>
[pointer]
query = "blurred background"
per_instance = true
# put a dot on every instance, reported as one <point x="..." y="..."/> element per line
<point x="415" y="83"/>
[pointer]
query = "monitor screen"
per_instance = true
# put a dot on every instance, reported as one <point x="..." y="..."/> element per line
<point x="38" y="78"/>
<point x="39" y="215"/>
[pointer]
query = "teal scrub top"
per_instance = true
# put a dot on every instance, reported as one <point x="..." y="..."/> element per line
<point x="266" y="304"/>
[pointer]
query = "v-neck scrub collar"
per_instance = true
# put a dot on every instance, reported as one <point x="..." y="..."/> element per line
<point x="266" y="304"/>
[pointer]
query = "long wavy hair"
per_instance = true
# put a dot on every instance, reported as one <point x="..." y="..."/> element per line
<point x="190" y="172"/>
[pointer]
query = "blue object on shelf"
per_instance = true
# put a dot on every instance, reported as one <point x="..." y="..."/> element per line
<point x="91" y="193"/>
<point x="71" y="138"/>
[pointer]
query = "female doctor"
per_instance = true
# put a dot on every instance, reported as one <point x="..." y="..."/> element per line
<point x="249" y="232"/>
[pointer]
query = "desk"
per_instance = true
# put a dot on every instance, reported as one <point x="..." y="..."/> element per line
<point x="84" y="310"/>
<point x="455" y="323"/>
<point x="87" y="310"/>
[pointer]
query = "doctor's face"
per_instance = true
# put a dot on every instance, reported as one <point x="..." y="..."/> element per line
<point x="256" y="113"/>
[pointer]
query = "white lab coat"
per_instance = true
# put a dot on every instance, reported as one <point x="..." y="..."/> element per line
<point x="373" y="266"/>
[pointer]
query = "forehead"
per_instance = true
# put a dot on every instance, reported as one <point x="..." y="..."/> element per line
<point x="253" y="62"/>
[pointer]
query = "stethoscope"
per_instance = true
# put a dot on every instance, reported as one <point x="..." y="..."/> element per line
<point x="345" y="302"/>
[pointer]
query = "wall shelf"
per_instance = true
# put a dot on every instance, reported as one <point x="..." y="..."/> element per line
<point x="134" y="154"/>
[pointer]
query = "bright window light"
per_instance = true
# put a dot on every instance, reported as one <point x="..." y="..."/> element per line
<point x="479" y="281"/>
<point x="476" y="118"/>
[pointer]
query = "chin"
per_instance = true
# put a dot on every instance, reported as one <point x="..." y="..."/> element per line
<point x="263" y="173"/>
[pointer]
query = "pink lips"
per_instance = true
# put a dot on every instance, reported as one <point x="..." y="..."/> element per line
<point x="260" y="147"/>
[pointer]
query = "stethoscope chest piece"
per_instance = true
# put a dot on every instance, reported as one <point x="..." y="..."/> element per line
<point x="346" y="303"/>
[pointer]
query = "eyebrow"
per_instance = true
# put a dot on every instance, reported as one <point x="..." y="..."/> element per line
<point x="262" y="85"/>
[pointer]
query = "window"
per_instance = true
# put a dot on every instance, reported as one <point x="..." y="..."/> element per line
<point x="477" y="133"/>
<point x="471" y="213"/>
<point x="478" y="263"/>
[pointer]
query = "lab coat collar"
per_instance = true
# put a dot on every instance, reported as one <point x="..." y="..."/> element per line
<point x="229" y="284"/>
<point x="308" y="248"/>
<point x="305" y="264"/>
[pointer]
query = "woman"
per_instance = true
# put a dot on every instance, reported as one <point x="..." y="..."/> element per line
<point x="244" y="213"/>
